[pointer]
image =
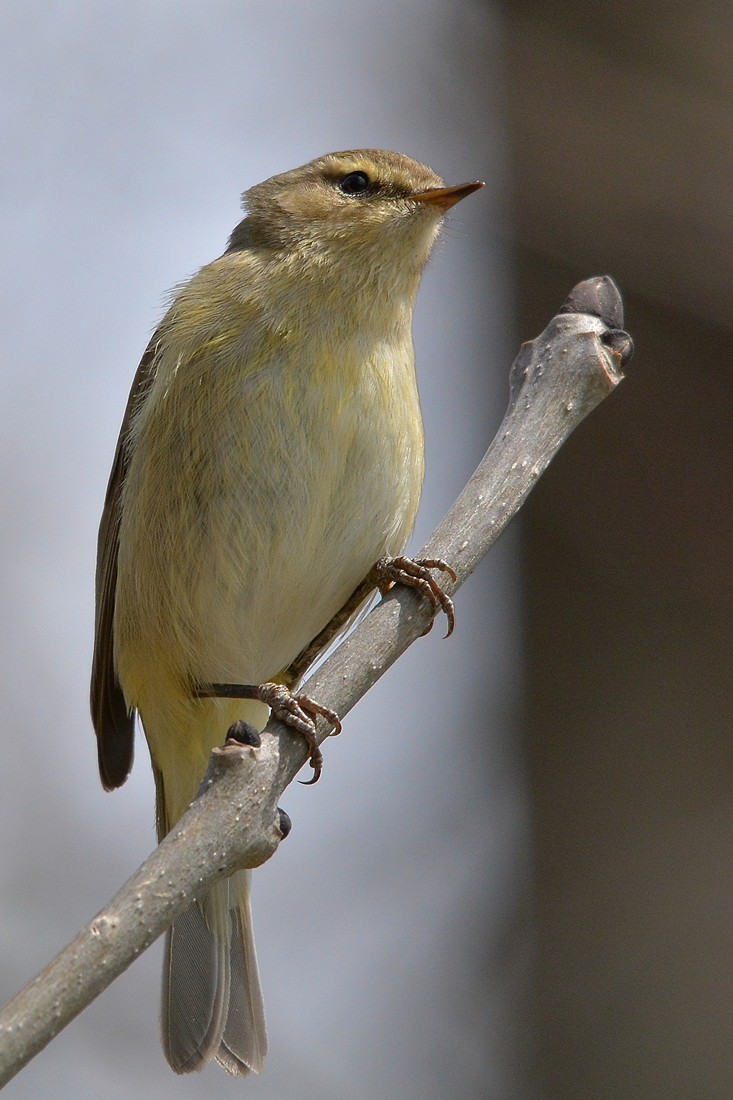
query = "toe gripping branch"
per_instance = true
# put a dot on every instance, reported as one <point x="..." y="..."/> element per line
<point x="415" y="573"/>
<point x="297" y="711"/>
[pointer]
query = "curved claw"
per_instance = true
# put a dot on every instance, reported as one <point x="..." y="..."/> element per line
<point x="315" y="777"/>
<point x="316" y="710"/>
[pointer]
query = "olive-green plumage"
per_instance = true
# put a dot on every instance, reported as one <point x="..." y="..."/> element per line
<point x="271" y="452"/>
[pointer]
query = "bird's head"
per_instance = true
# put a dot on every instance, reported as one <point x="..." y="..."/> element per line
<point x="362" y="207"/>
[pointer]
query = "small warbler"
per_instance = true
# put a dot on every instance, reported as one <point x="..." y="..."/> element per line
<point x="270" y="453"/>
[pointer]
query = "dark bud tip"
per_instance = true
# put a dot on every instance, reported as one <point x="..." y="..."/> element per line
<point x="620" y="343"/>
<point x="244" y="733"/>
<point x="284" y="822"/>
<point x="598" y="296"/>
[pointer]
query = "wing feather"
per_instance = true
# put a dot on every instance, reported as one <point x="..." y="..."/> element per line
<point x="113" y="722"/>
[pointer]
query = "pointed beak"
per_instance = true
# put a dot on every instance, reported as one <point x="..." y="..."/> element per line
<point x="445" y="197"/>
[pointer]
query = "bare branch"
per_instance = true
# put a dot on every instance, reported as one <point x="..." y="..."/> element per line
<point x="555" y="382"/>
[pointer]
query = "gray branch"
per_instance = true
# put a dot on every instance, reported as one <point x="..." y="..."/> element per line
<point x="555" y="382"/>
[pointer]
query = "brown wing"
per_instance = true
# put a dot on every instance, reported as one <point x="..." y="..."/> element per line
<point x="114" y="725"/>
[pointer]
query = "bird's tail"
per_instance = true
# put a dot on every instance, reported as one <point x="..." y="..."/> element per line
<point x="212" y="1002"/>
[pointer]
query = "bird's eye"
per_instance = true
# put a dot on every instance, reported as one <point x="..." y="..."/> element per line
<point x="356" y="183"/>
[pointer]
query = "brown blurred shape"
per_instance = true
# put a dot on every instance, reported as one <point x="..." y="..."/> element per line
<point x="621" y="124"/>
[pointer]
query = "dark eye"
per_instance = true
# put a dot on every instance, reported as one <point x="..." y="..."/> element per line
<point x="356" y="183"/>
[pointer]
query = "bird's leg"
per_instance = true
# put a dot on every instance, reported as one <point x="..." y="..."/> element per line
<point x="383" y="575"/>
<point x="299" y="712"/>
<point x="297" y="669"/>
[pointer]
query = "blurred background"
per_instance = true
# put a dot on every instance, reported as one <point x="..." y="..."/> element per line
<point x="515" y="877"/>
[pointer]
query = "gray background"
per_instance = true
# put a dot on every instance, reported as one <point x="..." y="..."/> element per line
<point x="391" y="926"/>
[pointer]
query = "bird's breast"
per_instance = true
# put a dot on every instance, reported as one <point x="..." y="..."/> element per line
<point x="258" y="497"/>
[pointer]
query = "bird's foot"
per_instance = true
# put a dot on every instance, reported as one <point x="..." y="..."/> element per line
<point x="415" y="573"/>
<point x="297" y="711"/>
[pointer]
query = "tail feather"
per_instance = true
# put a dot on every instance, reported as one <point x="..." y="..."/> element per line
<point x="212" y="1003"/>
<point x="244" y="1042"/>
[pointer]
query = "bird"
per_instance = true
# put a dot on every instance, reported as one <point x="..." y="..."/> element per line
<point x="271" y="452"/>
